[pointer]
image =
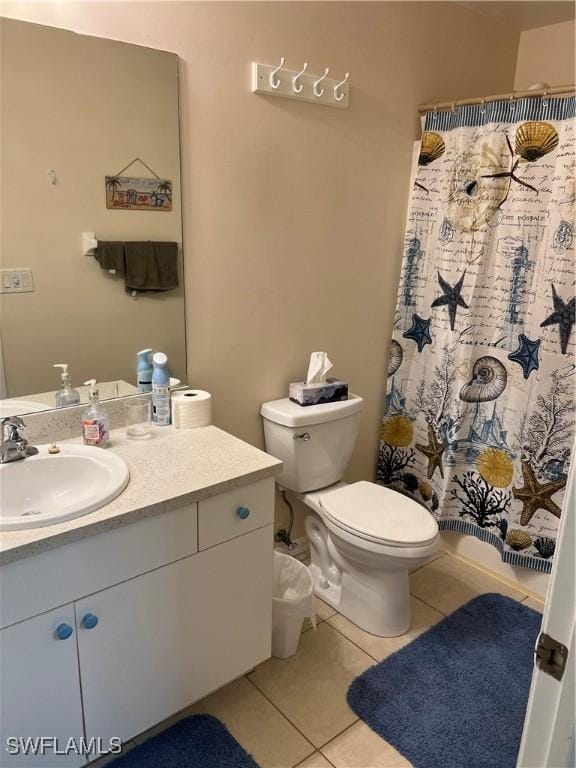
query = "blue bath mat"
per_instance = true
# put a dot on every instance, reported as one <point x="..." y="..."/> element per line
<point x="456" y="696"/>
<point x="200" y="741"/>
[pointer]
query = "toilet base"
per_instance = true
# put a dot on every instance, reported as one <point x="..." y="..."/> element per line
<point x="372" y="596"/>
<point x="381" y="608"/>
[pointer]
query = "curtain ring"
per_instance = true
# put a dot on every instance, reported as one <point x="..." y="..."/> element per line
<point x="483" y="106"/>
<point x="545" y="100"/>
<point x="454" y="103"/>
<point x="435" y="113"/>
<point x="512" y="101"/>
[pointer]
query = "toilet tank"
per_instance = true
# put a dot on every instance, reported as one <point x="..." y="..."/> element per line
<point x="315" y="442"/>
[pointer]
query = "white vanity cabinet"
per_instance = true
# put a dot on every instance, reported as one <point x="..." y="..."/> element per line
<point x="40" y="686"/>
<point x="147" y="638"/>
<point x="172" y="636"/>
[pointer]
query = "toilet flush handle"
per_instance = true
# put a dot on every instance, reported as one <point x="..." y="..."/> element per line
<point x="302" y="436"/>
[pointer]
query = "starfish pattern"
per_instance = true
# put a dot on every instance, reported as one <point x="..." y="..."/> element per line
<point x="451" y="297"/>
<point x="526" y="355"/>
<point x="419" y="332"/>
<point x="565" y="315"/>
<point x="535" y="495"/>
<point x="433" y="452"/>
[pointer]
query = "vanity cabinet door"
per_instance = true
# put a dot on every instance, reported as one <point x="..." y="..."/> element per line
<point x="155" y="644"/>
<point x="40" y="689"/>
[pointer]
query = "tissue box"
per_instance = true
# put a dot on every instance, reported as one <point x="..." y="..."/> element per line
<point x="331" y="391"/>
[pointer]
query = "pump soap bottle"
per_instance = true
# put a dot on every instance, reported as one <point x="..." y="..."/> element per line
<point x="66" y="395"/>
<point x="160" y="390"/>
<point x="144" y="371"/>
<point x="95" y="425"/>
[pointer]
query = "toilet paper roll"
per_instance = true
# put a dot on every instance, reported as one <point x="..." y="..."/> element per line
<point x="191" y="408"/>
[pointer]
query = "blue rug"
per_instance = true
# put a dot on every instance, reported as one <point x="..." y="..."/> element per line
<point x="456" y="696"/>
<point x="200" y="741"/>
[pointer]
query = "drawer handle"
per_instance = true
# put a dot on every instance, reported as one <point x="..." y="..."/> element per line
<point x="89" y="621"/>
<point x="63" y="631"/>
<point x="243" y="513"/>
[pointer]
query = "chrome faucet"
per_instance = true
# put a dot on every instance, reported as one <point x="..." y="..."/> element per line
<point x="14" y="445"/>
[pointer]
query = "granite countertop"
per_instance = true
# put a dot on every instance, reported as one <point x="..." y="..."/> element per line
<point x="174" y="468"/>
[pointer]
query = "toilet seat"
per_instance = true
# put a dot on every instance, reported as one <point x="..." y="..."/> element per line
<point x="379" y="515"/>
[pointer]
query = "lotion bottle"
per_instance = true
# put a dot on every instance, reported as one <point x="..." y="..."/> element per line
<point x="160" y="390"/>
<point x="66" y="395"/>
<point x="95" y="424"/>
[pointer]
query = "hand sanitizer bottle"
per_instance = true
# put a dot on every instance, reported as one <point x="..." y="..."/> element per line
<point x="95" y="425"/>
<point x="66" y="395"/>
<point x="160" y="390"/>
<point x="144" y="371"/>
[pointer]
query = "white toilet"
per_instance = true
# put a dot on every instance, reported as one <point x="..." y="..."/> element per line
<point x="364" y="538"/>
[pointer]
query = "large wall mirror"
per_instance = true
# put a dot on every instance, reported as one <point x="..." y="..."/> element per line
<point x="90" y="144"/>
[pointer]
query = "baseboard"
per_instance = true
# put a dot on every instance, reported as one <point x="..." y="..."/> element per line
<point x="485" y="558"/>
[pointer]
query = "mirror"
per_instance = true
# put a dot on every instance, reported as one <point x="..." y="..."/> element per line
<point x="90" y="144"/>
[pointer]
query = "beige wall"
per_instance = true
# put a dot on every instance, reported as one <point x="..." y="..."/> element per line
<point x="294" y="213"/>
<point x="546" y="55"/>
<point x="84" y="107"/>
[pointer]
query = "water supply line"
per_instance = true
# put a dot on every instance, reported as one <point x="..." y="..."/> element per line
<point x="284" y="535"/>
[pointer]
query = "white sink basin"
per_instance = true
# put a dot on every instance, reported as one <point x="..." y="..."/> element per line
<point x="18" y="406"/>
<point x="47" y="489"/>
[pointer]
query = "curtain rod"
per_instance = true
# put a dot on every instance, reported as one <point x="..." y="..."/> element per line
<point x="445" y="105"/>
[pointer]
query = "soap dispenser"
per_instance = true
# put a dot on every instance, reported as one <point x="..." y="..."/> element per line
<point x="144" y="371"/>
<point x="66" y="395"/>
<point x="95" y="424"/>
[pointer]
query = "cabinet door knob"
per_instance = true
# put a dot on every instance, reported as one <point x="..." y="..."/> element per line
<point x="243" y="513"/>
<point x="90" y="620"/>
<point x="63" y="631"/>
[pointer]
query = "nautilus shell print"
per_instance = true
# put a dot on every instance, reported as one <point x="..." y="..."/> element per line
<point x="395" y="358"/>
<point x="489" y="379"/>
<point x="535" y="139"/>
<point x="431" y="147"/>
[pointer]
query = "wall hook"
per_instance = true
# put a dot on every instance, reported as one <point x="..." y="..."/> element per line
<point x="338" y="95"/>
<point x="319" y="91"/>
<point x="296" y="85"/>
<point x="275" y="83"/>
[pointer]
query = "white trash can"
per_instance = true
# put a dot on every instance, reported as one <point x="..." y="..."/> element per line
<point x="292" y="602"/>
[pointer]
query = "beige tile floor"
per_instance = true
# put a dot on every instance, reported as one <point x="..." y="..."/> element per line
<point x="293" y="712"/>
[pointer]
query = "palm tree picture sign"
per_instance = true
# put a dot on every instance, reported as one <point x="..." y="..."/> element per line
<point x="130" y="193"/>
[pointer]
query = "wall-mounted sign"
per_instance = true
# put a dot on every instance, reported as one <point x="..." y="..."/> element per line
<point x="129" y="193"/>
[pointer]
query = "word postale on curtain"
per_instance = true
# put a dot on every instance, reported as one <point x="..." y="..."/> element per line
<point x="480" y="411"/>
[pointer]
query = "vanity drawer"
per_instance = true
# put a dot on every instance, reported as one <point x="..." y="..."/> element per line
<point x="231" y="514"/>
<point x="64" y="574"/>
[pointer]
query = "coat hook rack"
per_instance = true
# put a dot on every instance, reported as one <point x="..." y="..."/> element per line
<point x="274" y="80"/>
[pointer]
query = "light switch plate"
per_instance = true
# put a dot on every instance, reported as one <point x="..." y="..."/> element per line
<point x="16" y="280"/>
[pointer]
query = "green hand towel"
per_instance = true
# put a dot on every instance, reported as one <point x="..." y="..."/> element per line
<point x="151" y="266"/>
<point x="110" y="255"/>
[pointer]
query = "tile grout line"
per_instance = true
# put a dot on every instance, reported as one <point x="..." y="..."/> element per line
<point x="433" y="606"/>
<point x="285" y="716"/>
<point x="428" y="563"/>
<point x="352" y="641"/>
<point x="312" y="755"/>
<point x="277" y="708"/>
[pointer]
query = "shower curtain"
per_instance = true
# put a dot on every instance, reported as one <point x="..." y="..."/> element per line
<point x="479" y="415"/>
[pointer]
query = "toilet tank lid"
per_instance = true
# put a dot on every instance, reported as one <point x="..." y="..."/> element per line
<point x="291" y="414"/>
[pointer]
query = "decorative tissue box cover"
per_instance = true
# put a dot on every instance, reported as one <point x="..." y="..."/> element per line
<point x="315" y="394"/>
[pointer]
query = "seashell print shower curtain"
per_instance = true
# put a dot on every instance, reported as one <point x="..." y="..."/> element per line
<point x="479" y="416"/>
